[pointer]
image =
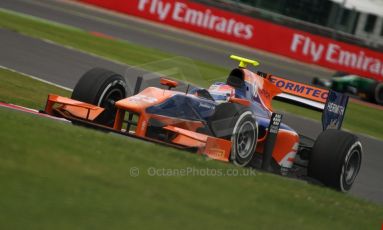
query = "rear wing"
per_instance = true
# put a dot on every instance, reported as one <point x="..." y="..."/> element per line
<point x="332" y="104"/>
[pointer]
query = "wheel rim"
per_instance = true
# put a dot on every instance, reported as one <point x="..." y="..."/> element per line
<point x="245" y="139"/>
<point x="352" y="167"/>
<point x="113" y="95"/>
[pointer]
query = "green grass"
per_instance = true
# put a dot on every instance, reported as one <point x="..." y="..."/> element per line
<point x="18" y="89"/>
<point x="359" y="118"/>
<point x="58" y="176"/>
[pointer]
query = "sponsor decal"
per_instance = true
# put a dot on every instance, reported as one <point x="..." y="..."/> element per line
<point x="182" y="12"/>
<point x="334" y="108"/>
<point x="142" y="98"/>
<point x="275" y="122"/>
<point x="143" y="126"/>
<point x="216" y="152"/>
<point x="335" y="54"/>
<point x="333" y="114"/>
<point x="300" y="89"/>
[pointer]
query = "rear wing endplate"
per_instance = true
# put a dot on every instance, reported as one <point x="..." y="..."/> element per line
<point x="332" y="104"/>
<point x="334" y="110"/>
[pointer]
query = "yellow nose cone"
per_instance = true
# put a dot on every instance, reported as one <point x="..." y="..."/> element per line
<point x="244" y="61"/>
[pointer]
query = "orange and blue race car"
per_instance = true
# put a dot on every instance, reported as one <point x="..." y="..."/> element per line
<point x="231" y="121"/>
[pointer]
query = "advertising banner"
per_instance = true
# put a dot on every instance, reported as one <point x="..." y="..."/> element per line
<point x="254" y="33"/>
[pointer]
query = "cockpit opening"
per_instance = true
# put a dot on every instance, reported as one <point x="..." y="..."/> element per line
<point x="236" y="78"/>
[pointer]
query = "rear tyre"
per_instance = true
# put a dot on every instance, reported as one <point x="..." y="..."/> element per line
<point x="103" y="88"/>
<point x="336" y="159"/>
<point x="375" y="93"/>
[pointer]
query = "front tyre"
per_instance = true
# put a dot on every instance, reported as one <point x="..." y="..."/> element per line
<point x="336" y="159"/>
<point x="236" y="123"/>
<point x="103" y="88"/>
<point x="244" y="139"/>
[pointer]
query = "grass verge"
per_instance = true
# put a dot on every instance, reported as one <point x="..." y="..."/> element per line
<point x="359" y="118"/>
<point x="53" y="177"/>
<point x="21" y="90"/>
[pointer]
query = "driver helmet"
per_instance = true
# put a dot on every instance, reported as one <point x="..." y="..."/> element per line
<point x="221" y="92"/>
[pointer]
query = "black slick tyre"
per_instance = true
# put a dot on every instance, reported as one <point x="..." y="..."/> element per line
<point x="336" y="159"/>
<point x="103" y="88"/>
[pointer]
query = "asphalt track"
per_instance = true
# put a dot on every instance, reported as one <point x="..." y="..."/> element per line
<point x="173" y="41"/>
<point x="64" y="66"/>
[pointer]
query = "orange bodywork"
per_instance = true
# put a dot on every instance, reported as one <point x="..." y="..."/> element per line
<point x="293" y="90"/>
<point x="181" y="123"/>
<point x="137" y="104"/>
<point x="168" y="82"/>
<point x="148" y="97"/>
<point x="287" y="142"/>
<point x="264" y="88"/>
<point x="213" y="147"/>
<point x="240" y="101"/>
<point x="286" y="147"/>
<point x="76" y="108"/>
<point x="185" y="131"/>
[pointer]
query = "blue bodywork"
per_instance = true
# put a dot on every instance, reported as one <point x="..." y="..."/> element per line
<point x="191" y="107"/>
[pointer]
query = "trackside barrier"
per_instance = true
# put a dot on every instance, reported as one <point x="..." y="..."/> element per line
<point x="253" y="32"/>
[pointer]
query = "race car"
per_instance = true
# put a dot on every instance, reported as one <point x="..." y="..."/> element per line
<point x="365" y="88"/>
<point x="231" y="121"/>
